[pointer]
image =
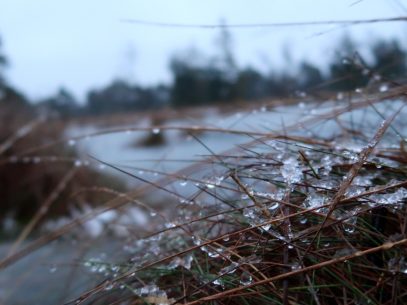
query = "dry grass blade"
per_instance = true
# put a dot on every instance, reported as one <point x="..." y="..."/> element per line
<point x="264" y="25"/>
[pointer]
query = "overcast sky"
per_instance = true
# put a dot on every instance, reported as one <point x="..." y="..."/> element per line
<point x="82" y="44"/>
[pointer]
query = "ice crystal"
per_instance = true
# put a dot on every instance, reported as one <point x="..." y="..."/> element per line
<point x="291" y="171"/>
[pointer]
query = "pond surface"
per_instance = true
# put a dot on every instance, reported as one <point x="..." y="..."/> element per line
<point x="122" y="145"/>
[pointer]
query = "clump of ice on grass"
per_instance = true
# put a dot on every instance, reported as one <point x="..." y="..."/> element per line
<point x="115" y="221"/>
<point x="397" y="264"/>
<point x="185" y="262"/>
<point x="315" y="200"/>
<point x="255" y="217"/>
<point x="212" y="252"/>
<point x="393" y="198"/>
<point x="152" y="294"/>
<point x="112" y="220"/>
<point x="291" y="170"/>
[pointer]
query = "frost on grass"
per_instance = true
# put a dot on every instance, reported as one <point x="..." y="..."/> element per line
<point x="256" y="216"/>
<point x="307" y="185"/>
<point x="291" y="170"/>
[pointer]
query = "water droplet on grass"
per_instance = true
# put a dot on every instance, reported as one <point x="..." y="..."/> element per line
<point x="246" y="278"/>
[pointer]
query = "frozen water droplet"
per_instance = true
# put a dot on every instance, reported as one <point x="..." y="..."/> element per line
<point x="274" y="206"/>
<point x="303" y="220"/>
<point x="252" y="259"/>
<point x="170" y="225"/>
<point x="295" y="266"/>
<point x="218" y="180"/>
<point x="346" y="61"/>
<point x="210" y="186"/>
<point x="71" y="142"/>
<point x="53" y="269"/>
<point x="156" y="130"/>
<point x="314" y="200"/>
<point x="384" y="88"/>
<point x="229" y="269"/>
<point x="212" y="254"/>
<point x="183" y="262"/>
<point x="78" y="163"/>
<point x="349" y="225"/>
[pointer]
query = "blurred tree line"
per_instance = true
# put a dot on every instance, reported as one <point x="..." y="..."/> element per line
<point x="200" y="80"/>
<point x="10" y="98"/>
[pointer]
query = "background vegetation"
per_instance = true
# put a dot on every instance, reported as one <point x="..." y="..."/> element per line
<point x="200" y="80"/>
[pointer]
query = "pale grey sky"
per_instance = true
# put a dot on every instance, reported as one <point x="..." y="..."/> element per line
<point x="82" y="44"/>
